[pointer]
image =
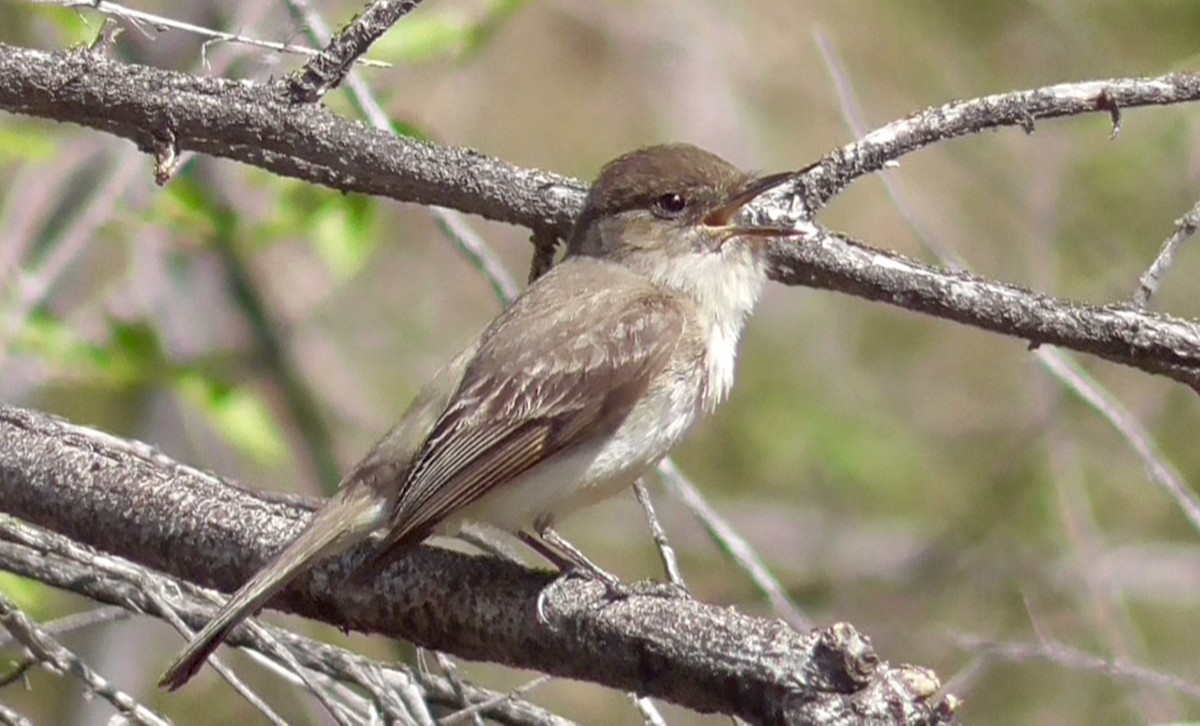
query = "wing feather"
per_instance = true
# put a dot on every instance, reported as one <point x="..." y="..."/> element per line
<point x="523" y="399"/>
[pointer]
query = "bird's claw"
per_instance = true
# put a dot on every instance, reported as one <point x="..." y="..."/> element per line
<point x="614" y="589"/>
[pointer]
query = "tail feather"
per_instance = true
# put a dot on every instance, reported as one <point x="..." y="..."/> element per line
<point x="342" y="522"/>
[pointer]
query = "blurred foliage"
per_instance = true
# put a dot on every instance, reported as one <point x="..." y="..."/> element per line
<point x="916" y="478"/>
<point x="445" y="32"/>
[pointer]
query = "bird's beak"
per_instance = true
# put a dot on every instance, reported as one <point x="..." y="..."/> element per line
<point x="724" y="218"/>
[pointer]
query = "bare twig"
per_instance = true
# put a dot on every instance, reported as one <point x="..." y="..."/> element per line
<point x="19" y="668"/>
<point x="31" y="283"/>
<point x="139" y="19"/>
<point x="734" y="545"/>
<point x="478" y="253"/>
<point x="51" y="548"/>
<point x="77" y="621"/>
<point x="452" y="674"/>
<point x="1161" y="471"/>
<point x="852" y="114"/>
<point x="665" y="551"/>
<point x="1185" y="227"/>
<point x="1079" y="660"/>
<point x="879" y="148"/>
<point x="480" y="707"/>
<point x="650" y="713"/>
<point x="327" y="69"/>
<point x="1060" y="364"/>
<point x="62" y="563"/>
<point x="48" y="651"/>
<point x="10" y="717"/>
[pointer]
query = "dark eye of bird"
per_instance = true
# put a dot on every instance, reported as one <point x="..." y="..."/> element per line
<point x="670" y="205"/>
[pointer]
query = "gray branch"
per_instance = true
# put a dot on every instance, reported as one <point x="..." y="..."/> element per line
<point x="257" y="124"/>
<point x="127" y="499"/>
<point x="326" y="70"/>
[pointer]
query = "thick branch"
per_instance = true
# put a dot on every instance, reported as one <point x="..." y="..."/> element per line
<point x="127" y="499"/>
<point x="1152" y="342"/>
<point x="254" y="124"/>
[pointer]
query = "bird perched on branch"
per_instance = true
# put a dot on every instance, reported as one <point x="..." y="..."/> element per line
<point x="583" y="384"/>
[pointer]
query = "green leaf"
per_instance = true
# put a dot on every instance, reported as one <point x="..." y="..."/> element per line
<point x="239" y="415"/>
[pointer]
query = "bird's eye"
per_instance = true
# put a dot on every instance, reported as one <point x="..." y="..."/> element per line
<point x="670" y="205"/>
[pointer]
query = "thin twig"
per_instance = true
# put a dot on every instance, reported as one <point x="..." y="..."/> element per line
<point x="275" y="649"/>
<point x="10" y="717"/>
<point x="883" y="146"/>
<point x="33" y="279"/>
<point x="665" y="551"/>
<point x="1185" y="227"/>
<point x="452" y="674"/>
<point x="458" y="716"/>
<point x="138" y="18"/>
<point x="78" y="621"/>
<point x="267" y="644"/>
<point x="735" y="546"/>
<point x="1060" y="364"/>
<point x="1076" y="659"/>
<point x="472" y="246"/>
<point x="324" y="72"/>
<point x="15" y="531"/>
<point x="48" y="651"/>
<point x="856" y="121"/>
<point x="1161" y="471"/>
<point x="19" y="669"/>
<point x="650" y="713"/>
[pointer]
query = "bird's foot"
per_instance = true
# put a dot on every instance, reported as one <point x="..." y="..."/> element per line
<point x="614" y="590"/>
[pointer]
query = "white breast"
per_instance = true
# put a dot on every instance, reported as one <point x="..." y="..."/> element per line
<point x="726" y="285"/>
<point x="722" y="362"/>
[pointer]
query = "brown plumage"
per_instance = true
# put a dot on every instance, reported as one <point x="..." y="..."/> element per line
<point x="586" y="381"/>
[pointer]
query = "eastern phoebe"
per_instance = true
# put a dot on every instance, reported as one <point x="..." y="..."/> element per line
<point x="570" y="394"/>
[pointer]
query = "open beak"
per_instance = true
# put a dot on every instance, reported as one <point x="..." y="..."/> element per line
<point x="724" y="218"/>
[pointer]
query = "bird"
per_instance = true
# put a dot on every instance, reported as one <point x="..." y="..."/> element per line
<point x="585" y="382"/>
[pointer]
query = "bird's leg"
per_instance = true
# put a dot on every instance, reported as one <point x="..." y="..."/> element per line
<point x="569" y="561"/>
<point x="561" y="563"/>
<point x="564" y="555"/>
<point x="576" y="559"/>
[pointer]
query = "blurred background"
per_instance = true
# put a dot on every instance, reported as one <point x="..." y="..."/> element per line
<point x="932" y="484"/>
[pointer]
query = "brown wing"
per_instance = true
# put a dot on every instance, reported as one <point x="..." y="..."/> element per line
<point x="543" y="379"/>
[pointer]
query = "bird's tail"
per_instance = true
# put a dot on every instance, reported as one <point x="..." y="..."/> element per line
<point x="342" y="522"/>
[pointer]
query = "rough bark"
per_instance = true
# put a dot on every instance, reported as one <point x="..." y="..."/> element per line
<point x="129" y="500"/>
